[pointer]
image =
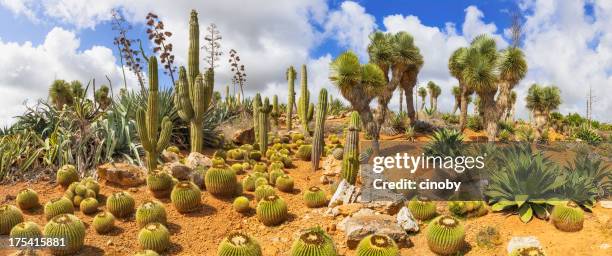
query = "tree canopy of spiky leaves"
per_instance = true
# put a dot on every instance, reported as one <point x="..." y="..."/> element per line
<point x="434" y="89"/>
<point x="456" y="91"/>
<point x="479" y="72"/>
<point x="512" y="66"/>
<point x="381" y="51"/>
<point x="76" y="89"/>
<point x="456" y="63"/>
<point x="60" y="94"/>
<point x="101" y="97"/>
<point x="543" y="98"/>
<point x="422" y="92"/>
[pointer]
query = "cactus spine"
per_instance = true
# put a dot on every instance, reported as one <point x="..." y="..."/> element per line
<point x="275" y="114"/>
<point x="291" y="99"/>
<point x="153" y="141"/>
<point x="256" y="107"/>
<point x="263" y="122"/>
<point x="350" y="162"/>
<point x="194" y="92"/>
<point x="305" y="108"/>
<point x="317" y="140"/>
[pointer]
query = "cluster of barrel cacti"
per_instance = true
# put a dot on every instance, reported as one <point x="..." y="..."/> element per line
<point x="153" y="139"/>
<point x="468" y="208"/>
<point x="84" y="195"/>
<point x="350" y="160"/>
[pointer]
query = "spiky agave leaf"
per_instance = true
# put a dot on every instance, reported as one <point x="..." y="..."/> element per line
<point x="377" y="245"/>
<point x="68" y="227"/>
<point x="239" y="244"/>
<point x="445" y="235"/>
<point x="313" y="242"/>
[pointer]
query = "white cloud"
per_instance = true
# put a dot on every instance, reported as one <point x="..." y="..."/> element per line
<point x="350" y="26"/>
<point x="21" y="7"/>
<point x="27" y="70"/>
<point x="473" y="25"/>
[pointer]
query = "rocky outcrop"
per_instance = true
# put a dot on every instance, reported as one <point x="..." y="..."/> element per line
<point x="123" y="174"/>
<point x="367" y="222"/>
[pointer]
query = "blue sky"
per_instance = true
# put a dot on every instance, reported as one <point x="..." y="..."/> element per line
<point x="568" y="43"/>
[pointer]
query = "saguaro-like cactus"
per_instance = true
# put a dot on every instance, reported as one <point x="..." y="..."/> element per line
<point x="256" y="107"/>
<point x="194" y="92"/>
<point x="153" y="141"/>
<point x="291" y="99"/>
<point x="305" y="108"/>
<point x="264" y="124"/>
<point x="275" y="114"/>
<point x="317" y="140"/>
<point x="350" y="162"/>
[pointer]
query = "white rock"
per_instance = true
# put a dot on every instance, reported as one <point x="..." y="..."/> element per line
<point x="606" y="204"/>
<point x="523" y="242"/>
<point x="406" y="220"/>
<point x="345" y="194"/>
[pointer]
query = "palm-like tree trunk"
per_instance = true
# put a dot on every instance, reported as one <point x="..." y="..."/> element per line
<point x="463" y="107"/>
<point x="401" y="99"/>
<point x="490" y="115"/>
<point x="540" y="120"/>
<point x="410" y="105"/>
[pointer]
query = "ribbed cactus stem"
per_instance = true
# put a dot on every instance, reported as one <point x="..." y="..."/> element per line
<point x="264" y="123"/>
<point x="256" y="107"/>
<point x="275" y="114"/>
<point x="305" y="109"/>
<point x="317" y="140"/>
<point x="350" y="162"/>
<point x="291" y="99"/>
<point x="153" y="141"/>
<point x="194" y="91"/>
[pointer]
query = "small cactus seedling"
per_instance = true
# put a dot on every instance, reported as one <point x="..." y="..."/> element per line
<point x="71" y="229"/>
<point x="27" y="199"/>
<point x="315" y="197"/>
<point x="58" y="206"/>
<point x="272" y="210"/>
<point x="9" y="217"/>
<point x="26" y="229"/>
<point x="239" y="244"/>
<point x="149" y="212"/>
<point x="241" y="204"/>
<point x="103" y="222"/>
<point x="314" y="242"/>
<point x="186" y="197"/>
<point x="154" y="236"/>
<point x="380" y="245"/>
<point x="445" y="235"/>
<point x="120" y="204"/>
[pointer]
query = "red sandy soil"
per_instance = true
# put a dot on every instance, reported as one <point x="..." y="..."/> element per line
<point x="199" y="233"/>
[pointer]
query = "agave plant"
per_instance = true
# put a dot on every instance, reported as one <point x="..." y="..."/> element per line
<point x="525" y="181"/>
<point x="445" y="142"/>
<point x="590" y="170"/>
<point x="587" y="135"/>
<point x="19" y="152"/>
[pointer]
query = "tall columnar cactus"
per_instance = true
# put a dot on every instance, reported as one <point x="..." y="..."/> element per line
<point x="276" y="112"/>
<point x="291" y="99"/>
<point x="256" y="107"/>
<point x="194" y="91"/>
<point x="153" y="141"/>
<point x="350" y="162"/>
<point x="263" y="120"/>
<point x="317" y="140"/>
<point x="305" y="108"/>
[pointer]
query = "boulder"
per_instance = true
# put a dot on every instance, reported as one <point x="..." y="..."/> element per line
<point x="244" y="136"/>
<point x="331" y="166"/>
<point x="346" y="209"/>
<point x="169" y="157"/>
<point x="179" y="171"/>
<point x="123" y="174"/>
<point x="517" y="242"/>
<point x="345" y="194"/>
<point x="406" y="220"/>
<point x="366" y="222"/>
<point x="606" y="204"/>
<point x="195" y="160"/>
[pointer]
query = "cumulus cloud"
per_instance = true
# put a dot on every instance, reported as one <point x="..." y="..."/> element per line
<point x="21" y="7"/>
<point x="27" y="70"/>
<point x="351" y="26"/>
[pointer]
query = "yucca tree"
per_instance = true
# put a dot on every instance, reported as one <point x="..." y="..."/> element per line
<point x="542" y="100"/>
<point x="510" y="110"/>
<point x="422" y="92"/>
<point x="456" y="65"/>
<point x="434" y="93"/>
<point x="395" y="55"/>
<point x="359" y="84"/>
<point x="490" y="73"/>
<point x="456" y="91"/>
<point x="60" y="94"/>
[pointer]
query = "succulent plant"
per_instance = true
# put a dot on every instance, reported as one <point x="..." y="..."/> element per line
<point x="92" y="185"/>
<point x="445" y="235"/>
<point x="350" y="162"/>
<point x="236" y="154"/>
<point x="220" y="182"/>
<point x="304" y="152"/>
<point x="149" y="212"/>
<point x="58" y="206"/>
<point x="103" y="222"/>
<point x="248" y="182"/>
<point x="237" y="167"/>
<point x="186" y="197"/>
<point x="218" y="162"/>
<point x="239" y="244"/>
<point x="159" y="183"/>
<point x="271" y="210"/>
<point x="264" y="191"/>
<point x="9" y="217"/>
<point x="120" y="204"/>
<point x="68" y="227"/>
<point x="263" y="122"/>
<point x="568" y="217"/>
<point x="318" y="140"/>
<point x="154" y="236"/>
<point x="27" y="229"/>
<point x="261" y="181"/>
<point x="291" y="96"/>
<point x="467" y="208"/>
<point x="421" y="208"/>
<point x="379" y="245"/>
<point x="276" y="165"/>
<point x="274" y="174"/>
<point x="304" y="107"/>
<point x="295" y="137"/>
<point x="89" y="205"/>
<point x="364" y="156"/>
<point x="241" y="204"/>
<point x="66" y="175"/>
<point x="314" y="197"/>
<point x="338" y="153"/>
<point x="314" y="241"/>
<point x="27" y="199"/>
<point x="527" y="251"/>
<point x="147" y="253"/>
<point x="260" y="167"/>
<point x="255" y="155"/>
<point x="284" y="183"/>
